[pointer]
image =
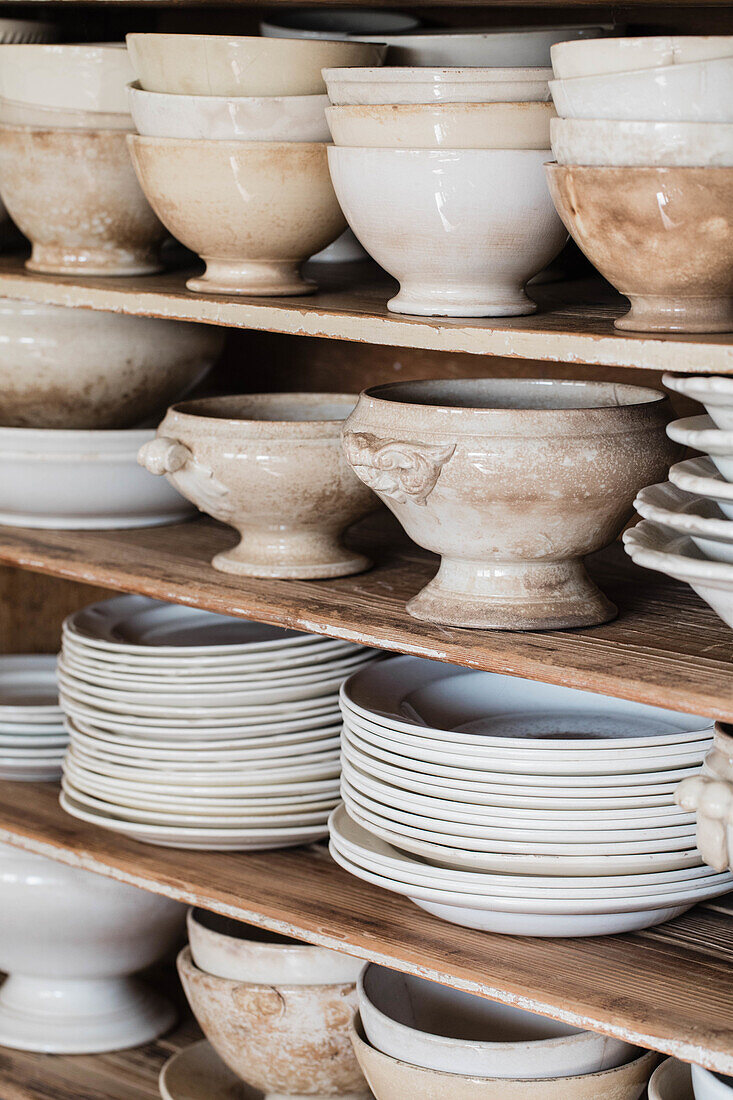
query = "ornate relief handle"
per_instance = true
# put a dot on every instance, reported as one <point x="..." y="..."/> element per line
<point x="193" y="480"/>
<point x="712" y="801"/>
<point x="163" y="455"/>
<point x="401" y="471"/>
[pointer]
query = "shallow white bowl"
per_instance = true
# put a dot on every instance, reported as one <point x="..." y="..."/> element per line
<point x="364" y="86"/>
<point x="711" y="1086"/>
<point x="619" y="55"/>
<point x="700" y="433"/>
<point x="639" y="144"/>
<point x="443" y="125"/>
<point x="715" y="393"/>
<point x="68" y="77"/>
<point x="14" y="113"/>
<point x="528" y="46"/>
<point x="700" y="476"/>
<point x="695" y="516"/>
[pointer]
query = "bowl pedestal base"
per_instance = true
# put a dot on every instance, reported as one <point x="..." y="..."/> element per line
<point x="290" y="554"/>
<point x="59" y="260"/>
<point x="665" y="314"/>
<point x="478" y="300"/>
<point x="258" y="278"/>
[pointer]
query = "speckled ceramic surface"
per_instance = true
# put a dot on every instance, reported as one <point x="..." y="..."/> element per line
<point x="443" y="125"/>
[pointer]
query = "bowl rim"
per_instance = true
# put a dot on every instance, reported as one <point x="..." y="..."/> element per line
<point x="413" y="74"/>
<point x="185" y="409"/>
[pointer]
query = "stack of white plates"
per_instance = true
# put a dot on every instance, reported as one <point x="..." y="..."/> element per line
<point x="195" y="730"/>
<point x="515" y="806"/>
<point x="32" y="734"/>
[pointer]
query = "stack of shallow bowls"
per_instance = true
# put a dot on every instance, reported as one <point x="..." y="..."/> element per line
<point x="231" y="151"/>
<point x="518" y="807"/>
<point x="687" y="530"/>
<point x="644" y="173"/>
<point x="416" y="1038"/>
<point x="65" y="173"/>
<point x="195" y="730"/>
<point x="32" y="734"/>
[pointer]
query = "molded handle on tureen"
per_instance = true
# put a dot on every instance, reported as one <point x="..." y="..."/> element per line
<point x="712" y="800"/>
<point x="398" y="470"/>
<point x="163" y="455"/>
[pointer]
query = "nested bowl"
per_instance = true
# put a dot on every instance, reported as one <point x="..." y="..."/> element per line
<point x="626" y="143"/>
<point x="622" y="55"/>
<point x="81" y="77"/>
<point x="361" y="86"/>
<point x="512" y="482"/>
<point x="443" y="125"/>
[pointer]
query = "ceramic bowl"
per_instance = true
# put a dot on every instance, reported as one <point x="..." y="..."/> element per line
<point x="229" y="949"/>
<point x="525" y="46"/>
<point x="714" y="392"/>
<point x="695" y="516"/>
<point x="373" y="86"/>
<point x="254" y="211"/>
<point x="67" y="77"/>
<point x="654" y="233"/>
<point x="461" y="230"/>
<point x="622" y="55"/>
<point x="271" y="466"/>
<point x="223" y="65"/>
<point x="707" y="1085"/>
<point x="444" y="125"/>
<point x="14" y="113"/>
<point x="70" y="941"/>
<point x="75" y="195"/>
<point x="72" y="368"/>
<point x="393" y="1079"/>
<point x="671" y="1081"/>
<point x="276" y="118"/>
<point x="512" y="482"/>
<point x="701" y="91"/>
<point x="75" y="480"/>
<point x="700" y="433"/>
<point x="287" y="1040"/>
<point x="639" y="144"/>
<point x="335" y="24"/>
<point x="701" y="476"/>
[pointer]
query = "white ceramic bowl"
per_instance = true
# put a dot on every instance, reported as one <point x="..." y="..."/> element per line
<point x="218" y="118"/>
<point x="700" y="476"/>
<point x="711" y="1086"/>
<point x="81" y="479"/>
<point x="637" y="144"/>
<point x="671" y="1081"/>
<point x="701" y="91"/>
<point x="689" y="515"/>
<point x="700" y="433"/>
<point x="14" y="113"/>
<point x="527" y="46"/>
<point x="73" y="77"/>
<point x="623" y="55"/>
<point x="443" y="125"/>
<point x="461" y="230"/>
<point x="715" y="393"/>
<point x="370" y="86"/>
<point x="360" y="23"/>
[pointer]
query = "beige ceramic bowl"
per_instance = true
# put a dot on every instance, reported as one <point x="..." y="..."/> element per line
<point x="444" y="125"/>
<point x="220" y="65"/>
<point x="390" y="1079"/>
<point x="75" y="195"/>
<point x="660" y="236"/>
<point x="271" y="466"/>
<point x="623" y="55"/>
<point x="254" y="211"/>
<point x="77" y="77"/>
<point x="288" y="1040"/>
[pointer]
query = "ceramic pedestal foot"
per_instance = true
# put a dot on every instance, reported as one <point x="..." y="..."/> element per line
<point x="465" y="301"/>
<point x="512" y="596"/>
<point x="69" y="1016"/>
<point x="666" y="314"/>
<point x="57" y="260"/>
<point x="304" y="555"/>
<point x="259" y="278"/>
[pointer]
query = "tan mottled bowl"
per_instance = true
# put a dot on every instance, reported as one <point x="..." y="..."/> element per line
<point x="391" y="1079"/>
<point x="443" y="125"/>
<point x="512" y="482"/>
<point x="271" y="466"/>
<point x="75" y="195"/>
<point x="661" y="236"/>
<point x="288" y="1040"/>
<point x="254" y="211"/>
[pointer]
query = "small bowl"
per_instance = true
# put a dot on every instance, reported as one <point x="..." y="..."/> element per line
<point x="223" y="65"/>
<point x="70" y="78"/>
<point x="707" y="1085"/>
<point x="671" y="1080"/>
<point x="527" y="46"/>
<point x="443" y="125"/>
<point x="271" y="466"/>
<point x="277" y="118"/>
<point x="254" y="211"/>
<point x="697" y="517"/>
<point x="461" y="230"/>
<point x="715" y="393"/>
<point x="334" y="24"/>
<point x="639" y="144"/>
<point x="372" y="86"/>
<point x="655" y="234"/>
<point x="623" y="55"/>
<point x="75" y="195"/>
<point x="700" y="433"/>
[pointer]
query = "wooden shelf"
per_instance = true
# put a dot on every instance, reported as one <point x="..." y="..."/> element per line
<point x="574" y="323"/>
<point x="667" y="988"/>
<point x="666" y="647"/>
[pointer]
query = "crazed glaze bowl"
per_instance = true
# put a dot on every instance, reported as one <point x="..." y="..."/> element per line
<point x="623" y="55"/>
<point x="461" y="230"/>
<point x="254" y="211"/>
<point x="287" y="1040"/>
<point x="661" y="236"/>
<point x="81" y="77"/>
<point x="271" y="466"/>
<point x="512" y="482"/>
<point x="443" y="125"/>
<point x="75" y="195"/>
<point x="622" y="142"/>
<point x="365" y="86"/>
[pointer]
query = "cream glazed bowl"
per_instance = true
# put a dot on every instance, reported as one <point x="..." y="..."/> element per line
<point x="622" y="55"/>
<point x="370" y="86"/>
<point x="271" y="466"/>
<point x="253" y="211"/>
<point x="628" y="143"/>
<point x="86" y="77"/>
<point x="512" y="482"/>
<point x="462" y="230"/>
<point x="443" y="125"/>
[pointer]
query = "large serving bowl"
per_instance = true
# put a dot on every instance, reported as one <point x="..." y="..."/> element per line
<point x="67" y="77"/>
<point x="519" y="46"/>
<point x="287" y="1040"/>
<point x="219" y="65"/>
<point x="462" y="230"/>
<point x="443" y="125"/>
<point x="271" y="466"/>
<point x="623" y="55"/>
<point x="75" y="195"/>
<point x="659" y="236"/>
<point x="71" y="368"/>
<point x="512" y="482"/>
<point x="369" y="86"/>
<point x="73" y="480"/>
<point x="70" y="942"/>
<point x="651" y="144"/>
<point x="333" y="23"/>
<point x="254" y="211"/>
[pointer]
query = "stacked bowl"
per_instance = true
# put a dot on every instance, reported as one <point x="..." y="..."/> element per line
<point x="32" y="734"/>
<point x="515" y="806"/>
<point x="687" y="527"/>
<point x="644" y="172"/>
<point x="195" y="730"/>
<point x="231" y="151"/>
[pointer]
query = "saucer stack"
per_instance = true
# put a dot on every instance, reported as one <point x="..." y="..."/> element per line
<point x="687" y="527"/>
<point x="32" y="734"/>
<point x="515" y="806"/>
<point x="195" y="730"/>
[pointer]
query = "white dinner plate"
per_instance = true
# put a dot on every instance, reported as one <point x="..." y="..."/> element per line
<point x="28" y="691"/>
<point x="31" y="771"/>
<point x="306" y="766"/>
<point x="240" y="754"/>
<point x="166" y="749"/>
<point x="281" y="720"/>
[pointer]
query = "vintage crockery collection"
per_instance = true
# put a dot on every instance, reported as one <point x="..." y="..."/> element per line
<point x="32" y="735"/>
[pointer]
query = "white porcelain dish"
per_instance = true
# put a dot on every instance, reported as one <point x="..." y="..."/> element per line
<point x="627" y="143"/>
<point x="707" y="1085"/>
<point x="304" y="745"/>
<point x="443" y="125"/>
<point x="28" y="688"/>
<point x="332" y="23"/>
<point x="700" y="476"/>
<point x="623" y="55"/>
<point x="700" y="433"/>
<point x="518" y="47"/>
<point x="689" y="515"/>
<point x="714" y="392"/>
<point x="364" y="86"/>
<point x="13" y="113"/>
<point x="84" y="77"/>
